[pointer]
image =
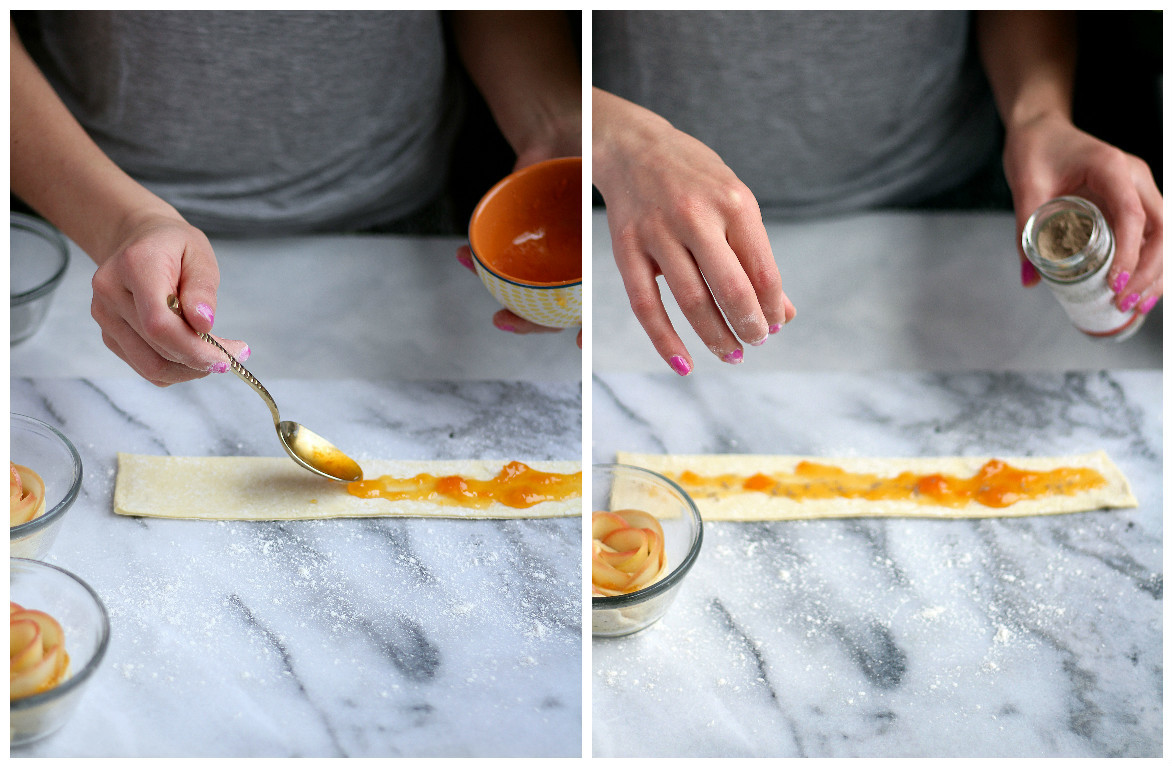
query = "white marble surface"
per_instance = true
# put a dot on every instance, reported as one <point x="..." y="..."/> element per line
<point x="331" y="306"/>
<point x="375" y="637"/>
<point x="837" y="638"/>
<point x="343" y="637"/>
<point x="884" y="291"/>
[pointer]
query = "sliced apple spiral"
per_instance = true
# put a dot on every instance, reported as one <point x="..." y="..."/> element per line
<point x="26" y="491"/>
<point x="38" y="657"/>
<point x="627" y="553"/>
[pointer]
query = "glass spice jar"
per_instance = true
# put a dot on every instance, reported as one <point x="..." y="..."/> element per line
<point x="1070" y="244"/>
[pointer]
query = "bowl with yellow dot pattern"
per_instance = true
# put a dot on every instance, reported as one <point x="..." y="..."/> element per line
<point x="526" y="241"/>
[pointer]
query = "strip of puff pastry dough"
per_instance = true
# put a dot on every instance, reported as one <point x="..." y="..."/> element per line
<point x="748" y="506"/>
<point x="251" y="488"/>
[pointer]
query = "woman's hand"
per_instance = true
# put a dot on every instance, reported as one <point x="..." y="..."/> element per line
<point x="525" y="65"/>
<point x="160" y="256"/>
<point x="1029" y="57"/>
<point x="144" y="249"/>
<point x="675" y="209"/>
<point x="1048" y="156"/>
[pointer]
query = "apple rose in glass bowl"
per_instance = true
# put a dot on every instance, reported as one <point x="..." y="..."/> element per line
<point x="646" y="534"/>
<point x="44" y="481"/>
<point x="59" y="631"/>
<point x="26" y="492"/>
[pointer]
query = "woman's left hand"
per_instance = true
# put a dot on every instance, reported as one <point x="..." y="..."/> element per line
<point x="1048" y="157"/>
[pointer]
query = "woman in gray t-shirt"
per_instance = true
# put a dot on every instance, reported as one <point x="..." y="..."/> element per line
<point x="136" y="133"/>
<point x="701" y="118"/>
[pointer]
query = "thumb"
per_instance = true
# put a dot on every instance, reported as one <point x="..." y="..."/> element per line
<point x="199" y="278"/>
<point x="1025" y="203"/>
<point x="464" y="256"/>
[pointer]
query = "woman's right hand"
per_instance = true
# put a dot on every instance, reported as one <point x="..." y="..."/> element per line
<point x="161" y="255"/>
<point x="144" y="249"/>
<point x="675" y="209"/>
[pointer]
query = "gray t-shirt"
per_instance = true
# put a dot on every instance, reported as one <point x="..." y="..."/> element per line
<point x="817" y="112"/>
<point x="262" y="122"/>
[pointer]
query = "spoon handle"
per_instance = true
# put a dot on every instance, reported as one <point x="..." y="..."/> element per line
<point x="240" y="371"/>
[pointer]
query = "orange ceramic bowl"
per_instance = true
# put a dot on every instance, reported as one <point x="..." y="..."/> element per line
<point x="526" y="240"/>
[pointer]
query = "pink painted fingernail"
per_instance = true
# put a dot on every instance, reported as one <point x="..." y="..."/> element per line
<point x="1029" y="275"/>
<point x="245" y="353"/>
<point x="205" y="311"/>
<point x="466" y="260"/>
<point x="758" y="343"/>
<point x="507" y="328"/>
<point x="1148" y="305"/>
<point x="774" y="328"/>
<point x="1129" y="302"/>
<point x="735" y="357"/>
<point x="680" y="365"/>
<point x="1120" y="282"/>
<point x="218" y="367"/>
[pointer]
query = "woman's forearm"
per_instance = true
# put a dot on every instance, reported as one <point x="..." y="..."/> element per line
<point x="1029" y="59"/>
<point x="58" y="170"/>
<point x="524" y="64"/>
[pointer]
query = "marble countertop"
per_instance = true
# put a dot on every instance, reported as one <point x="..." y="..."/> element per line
<point x="329" y="306"/>
<point x="837" y="638"/>
<point x="350" y="637"/>
<point x="371" y="637"/>
<point x="884" y="291"/>
<point x="899" y="637"/>
<point x="437" y="637"/>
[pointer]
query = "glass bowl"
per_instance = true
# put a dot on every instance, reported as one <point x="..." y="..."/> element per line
<point x="46" y="451"/>
<point x="38" y="259"/>
<point x="617" y="486"/>
<point x="39" y="586"/>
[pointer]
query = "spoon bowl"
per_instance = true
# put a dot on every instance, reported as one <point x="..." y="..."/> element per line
<point x="307" y="449"/>
<point x="317" y="454"/>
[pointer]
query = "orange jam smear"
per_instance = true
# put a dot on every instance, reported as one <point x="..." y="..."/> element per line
<point x="516" y="485"/>
<point x="996" y="484"/>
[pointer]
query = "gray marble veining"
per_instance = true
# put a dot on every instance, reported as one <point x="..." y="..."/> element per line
<point x="1022" y="637"/>
<point x="359" y="637"/>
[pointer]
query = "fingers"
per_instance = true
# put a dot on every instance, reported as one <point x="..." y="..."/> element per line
<point x="750" y="243"/>
<point x="1029" y="193"/>
<point x="639" y="280"/>
<point x="239" y="350"/>
<point x="1025" y="205"/>
<point x="464" y="256"/>
<point x="694" y="295"/>
<point x="728" y="287"/>
<point x="511" y="323"/>
<point x="130" y="303"/>
<point x="1139" y="243"/>
<point x="1112" y="186"/>
<point x="128" y="343"/>
<point x="199" y="278"/>
<point x="504" y="319"/>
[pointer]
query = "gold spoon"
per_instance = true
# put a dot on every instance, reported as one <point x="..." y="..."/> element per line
<point x="307" y="449"/>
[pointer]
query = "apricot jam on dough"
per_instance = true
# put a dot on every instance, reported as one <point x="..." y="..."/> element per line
<point x="516" y="485"/>
<point x="996" y="484"/>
